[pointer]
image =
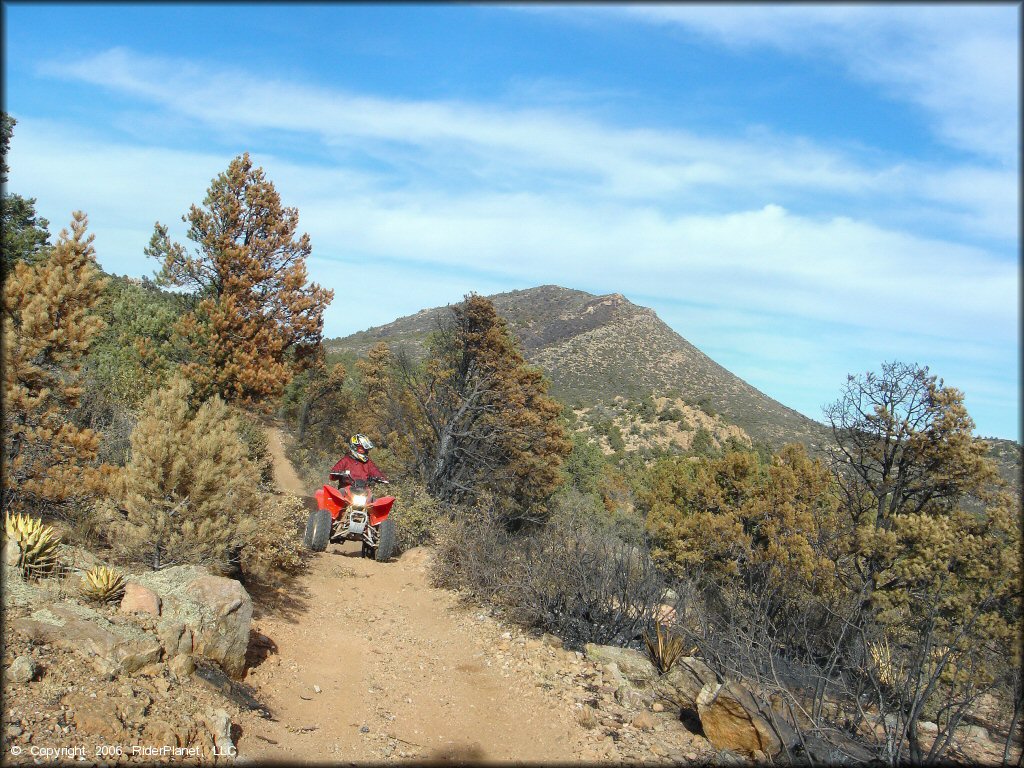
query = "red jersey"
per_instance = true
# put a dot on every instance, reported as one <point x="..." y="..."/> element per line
<point x="360" y="470"/>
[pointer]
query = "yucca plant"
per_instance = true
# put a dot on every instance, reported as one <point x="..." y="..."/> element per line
<point x="37" y="544"/>
<point x="665" y="649"/>
<point x="881" y="655"/>
<point x="102" y="584"/>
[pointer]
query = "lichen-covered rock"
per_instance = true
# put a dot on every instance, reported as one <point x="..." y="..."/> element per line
<point x="216" y="610"/>
<point x="22" y="670"/>
<point x="634" y="665"/>
<point x="112" y="649"/>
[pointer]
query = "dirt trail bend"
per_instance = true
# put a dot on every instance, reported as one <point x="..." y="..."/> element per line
<point x="364" y="661"/>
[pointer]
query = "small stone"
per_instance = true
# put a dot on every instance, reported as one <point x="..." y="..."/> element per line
<point x="219" y="724"/>
<point x="316" y="689"/>
<point x="644" y="721"/>
<point x="14" y="731"/>
<point x="552" y="641"/>
<point x="364" y="729"/>
<point x="658" y="707"/>
<point x="181" y="666"/>
<point x="22" y="670"/>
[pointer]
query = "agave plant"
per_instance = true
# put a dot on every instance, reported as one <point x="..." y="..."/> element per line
<point x="37" y="544"/>
<point x="102" y="584"/>
<point x="665" y="648"/>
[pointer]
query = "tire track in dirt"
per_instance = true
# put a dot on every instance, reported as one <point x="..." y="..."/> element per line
<point x="403" y="671"/>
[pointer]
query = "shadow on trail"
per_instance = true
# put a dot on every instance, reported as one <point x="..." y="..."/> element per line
<point x="285" y="597"/>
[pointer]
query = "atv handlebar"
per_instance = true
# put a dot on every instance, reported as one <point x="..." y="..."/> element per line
<point x="346" y="473"/>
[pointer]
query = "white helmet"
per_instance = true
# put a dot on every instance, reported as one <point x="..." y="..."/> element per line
<point x="359" y="446"/>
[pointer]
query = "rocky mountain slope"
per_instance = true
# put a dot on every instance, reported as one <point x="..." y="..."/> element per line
<point x="595" y="349"/>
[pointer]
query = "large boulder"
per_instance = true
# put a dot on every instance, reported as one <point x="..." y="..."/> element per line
<point x="202" y="614"/>
<point x="736" y="719"/>
<point x="731" y="720"/>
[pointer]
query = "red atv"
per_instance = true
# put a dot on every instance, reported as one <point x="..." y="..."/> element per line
<point x="352" y="513"/>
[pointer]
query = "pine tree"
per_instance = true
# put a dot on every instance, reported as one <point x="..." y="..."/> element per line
<point x="189" y="491"/>
<point x="257" y="322"/>
<point x="932" y="541"/>
<point x="474" y="417"/>
<point x="49" y="324"/>
<point x="25" y="234"/>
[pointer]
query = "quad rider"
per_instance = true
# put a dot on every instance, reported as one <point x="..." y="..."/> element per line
<point x="356" y="464"/>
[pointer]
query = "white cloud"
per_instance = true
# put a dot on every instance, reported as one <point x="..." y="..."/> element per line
<point x="959" y="63"/>
<point x="824" y="268"/>
<point x="460" y="145"/>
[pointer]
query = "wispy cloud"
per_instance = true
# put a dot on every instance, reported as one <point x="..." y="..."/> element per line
<point x="551" y="150"/>
<point x="957" y="62"/>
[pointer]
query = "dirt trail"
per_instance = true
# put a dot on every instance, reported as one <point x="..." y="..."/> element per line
<point x="403" y="671"/>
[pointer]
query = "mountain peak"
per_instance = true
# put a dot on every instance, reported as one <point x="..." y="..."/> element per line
<point x="601" y="349"/>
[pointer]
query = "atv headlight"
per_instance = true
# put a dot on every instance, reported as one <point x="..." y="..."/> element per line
<point x="358" y="499"/>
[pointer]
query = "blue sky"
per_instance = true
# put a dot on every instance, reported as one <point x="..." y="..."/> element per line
<point x="800" y="191"/>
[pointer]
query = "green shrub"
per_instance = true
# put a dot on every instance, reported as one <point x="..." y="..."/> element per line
<point x="416" y="514"/>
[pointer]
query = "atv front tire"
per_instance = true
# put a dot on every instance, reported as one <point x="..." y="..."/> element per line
<point x="385" y="540"/>
<point x="318" y="530"/>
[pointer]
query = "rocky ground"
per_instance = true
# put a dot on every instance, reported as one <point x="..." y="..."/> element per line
<point x="60" y="707"/>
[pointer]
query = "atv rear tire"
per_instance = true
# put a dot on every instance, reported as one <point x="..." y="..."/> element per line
<point x="318" y="530"/>
<point x="385" y="540"/>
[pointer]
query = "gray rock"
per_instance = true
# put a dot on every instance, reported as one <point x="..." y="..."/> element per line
<point x="22" y="670"/>
<point x="111" y="649"/>
<point x="634" y="665"/>
<point x="688" y="677"/>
